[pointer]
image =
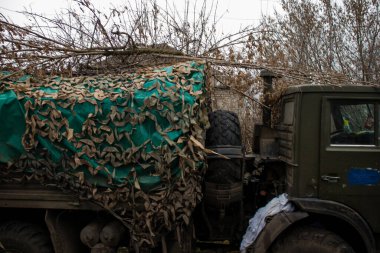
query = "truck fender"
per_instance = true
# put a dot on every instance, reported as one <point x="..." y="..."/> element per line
<point x="339" y="211"/>
<point x="62" y="233"/>
<point x="274" y="227"/>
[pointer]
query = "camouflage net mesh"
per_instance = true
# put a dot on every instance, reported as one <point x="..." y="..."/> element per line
<point x="131" y="143"/>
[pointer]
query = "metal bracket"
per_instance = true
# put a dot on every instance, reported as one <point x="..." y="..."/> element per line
<point x="226" y="150"/>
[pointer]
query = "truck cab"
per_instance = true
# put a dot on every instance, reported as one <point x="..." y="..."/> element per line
<point x="327" y="143"/>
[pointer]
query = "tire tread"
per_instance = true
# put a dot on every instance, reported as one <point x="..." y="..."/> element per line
<point x="312" y="240"/>
<point x="224" y="130"/>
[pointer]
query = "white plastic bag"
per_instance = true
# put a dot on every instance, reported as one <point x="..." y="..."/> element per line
<point x="257" y="223"/>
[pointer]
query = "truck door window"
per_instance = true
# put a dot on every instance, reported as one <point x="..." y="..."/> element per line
<point x="288" y="113"/>
<point x="352" y="123"/>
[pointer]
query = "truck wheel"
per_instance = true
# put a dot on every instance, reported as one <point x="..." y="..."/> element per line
<point x="20" y="237"/>
<point x="223" y="171"/>
<point x="186" y="239"/>
<point x="224" y="129"/>
<point x="311" y="240"/>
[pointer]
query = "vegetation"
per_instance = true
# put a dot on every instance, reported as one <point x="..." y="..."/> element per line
<point x="316" y="40"/>
<point x="310" y="41"/>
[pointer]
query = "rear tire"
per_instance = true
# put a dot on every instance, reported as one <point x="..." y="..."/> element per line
<point x="311" y="240"/>
<point x="223" y="171"/>
<point x="20" y="237"/>
<point x="224" y="130"/>
<point x="187" y="240"/>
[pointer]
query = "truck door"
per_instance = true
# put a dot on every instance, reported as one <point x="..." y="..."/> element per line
<point x="350" y="155"/>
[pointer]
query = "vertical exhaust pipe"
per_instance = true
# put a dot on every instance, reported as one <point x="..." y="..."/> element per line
<point x="268" y="89"/>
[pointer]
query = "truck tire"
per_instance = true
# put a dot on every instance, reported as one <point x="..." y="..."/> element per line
<point x="186" y="239"/>
<point x="224" y="129"/>
<point x="311" y="240"/>
<point x="223" y="171"/>
<point x="20" y="237"/>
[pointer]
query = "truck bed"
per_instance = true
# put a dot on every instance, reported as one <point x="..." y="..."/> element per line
<point x="38" y="196"/>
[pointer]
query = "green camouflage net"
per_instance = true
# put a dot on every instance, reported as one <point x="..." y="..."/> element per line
<point x="131" y="143"/>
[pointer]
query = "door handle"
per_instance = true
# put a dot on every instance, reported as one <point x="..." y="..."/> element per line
<point x="330" y="179"/>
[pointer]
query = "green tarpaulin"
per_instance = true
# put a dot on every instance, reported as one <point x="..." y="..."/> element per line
<point x="101" y="128"/>
<point x="12" y="127"/>
<point x="117" y="140"/>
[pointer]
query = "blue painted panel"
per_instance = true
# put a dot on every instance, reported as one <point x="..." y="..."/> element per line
<point x="363" y="176"/>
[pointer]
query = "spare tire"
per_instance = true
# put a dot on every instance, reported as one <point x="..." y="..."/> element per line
<point x="224" y="130"/>
<point x="21" y="237"/>
<point x="223" y="171"/>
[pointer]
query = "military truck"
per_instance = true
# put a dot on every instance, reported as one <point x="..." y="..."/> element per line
<point x="323" y="152"/>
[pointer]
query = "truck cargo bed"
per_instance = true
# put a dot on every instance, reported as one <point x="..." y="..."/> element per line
<point x="38" y="196"/>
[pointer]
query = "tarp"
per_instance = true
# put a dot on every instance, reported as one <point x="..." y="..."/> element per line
<point x="106" y="125"/>
<point x="111" y="138"/>
<point x="12" y="127"/>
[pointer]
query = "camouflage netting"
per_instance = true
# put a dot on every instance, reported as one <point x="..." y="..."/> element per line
<point x="123" y="141"/>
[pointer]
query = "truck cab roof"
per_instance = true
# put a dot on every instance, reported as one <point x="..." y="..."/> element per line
<point x="312" y="88"/>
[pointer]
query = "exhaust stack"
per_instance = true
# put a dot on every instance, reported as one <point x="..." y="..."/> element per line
<point x="268" y="88"/>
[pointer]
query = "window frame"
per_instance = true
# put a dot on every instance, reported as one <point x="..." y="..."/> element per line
<point x="284" y="102"/>
<point x="327" y="120"/>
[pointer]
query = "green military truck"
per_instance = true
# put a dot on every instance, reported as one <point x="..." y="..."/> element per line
<point x="324" y="153"/>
